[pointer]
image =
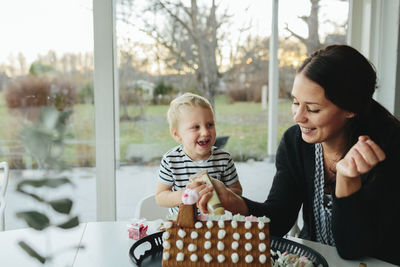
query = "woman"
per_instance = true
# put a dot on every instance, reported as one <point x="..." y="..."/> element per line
<point x="339" y="162"/>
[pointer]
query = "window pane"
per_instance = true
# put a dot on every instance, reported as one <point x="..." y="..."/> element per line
<point x="222" y="55"/>
<point x="46" y="67"/>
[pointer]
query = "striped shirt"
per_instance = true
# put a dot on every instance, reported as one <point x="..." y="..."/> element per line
<point x="176" y="168"/>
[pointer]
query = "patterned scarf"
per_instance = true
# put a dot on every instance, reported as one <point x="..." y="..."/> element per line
<point x="322" y="213"/>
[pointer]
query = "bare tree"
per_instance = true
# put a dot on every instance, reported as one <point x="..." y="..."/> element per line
<point x="190" y="36"/>
<point x="22" y="64"/>
<point x="312" y="42"/>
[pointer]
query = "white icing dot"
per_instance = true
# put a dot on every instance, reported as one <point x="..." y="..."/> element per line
<point x="264" y="219"/>
<point x="221" y="224"/>
<point x="234" y="224"/>
<point x="248" y="258"/>
<point x="166" y="235"/>
<point x="220" y="245"/>
<point x="194" y="235"/>
<point x="248" y="246"/>
<point x="166" y="245"/>
<point x="209" y="224"/>
<point x="193" y="257"/>
<point x="198" y="225"/>
<point x="168" y="224"/>
<point x="261" y="225"/>
<point x="262" y="258"/>
<point x="179" y="244"/>
<point x="235" y="257"/>
<point x="262" y="247"/>
<point x="181" y="233"/>
<point x="261" y="235"/>
<point x="180" y="256"/>
<point x="248" y="235"/>
<point x="236" y="236"/>
<point x="235" y="245"/>
<point x="165" y="256"/>
<point x="247" y="225"/>
<point x="221" y="234"/>
<point x="221" y="258"/>
<point x="238" y="217"/>
<point x="207" y="258"/>
<point x="207" y="235"/>
<point x="207" y="245"/>
<point x="192" y="247"/>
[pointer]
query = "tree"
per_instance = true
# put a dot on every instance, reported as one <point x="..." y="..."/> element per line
<point x="312" y="42"/>
<point x="191" y="38"/>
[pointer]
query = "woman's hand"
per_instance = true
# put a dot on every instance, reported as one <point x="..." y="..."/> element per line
<point x="229" y="199"/>
<point x="360" y="159"/>
<point x="200" y="186"/>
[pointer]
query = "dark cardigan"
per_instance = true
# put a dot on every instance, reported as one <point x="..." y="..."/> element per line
<point x="366" y="223"/>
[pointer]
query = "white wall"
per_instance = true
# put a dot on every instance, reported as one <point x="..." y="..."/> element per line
<point x="374" y="30"/>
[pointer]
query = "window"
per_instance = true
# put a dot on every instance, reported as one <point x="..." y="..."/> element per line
<point x="157" y="59"/>
<point x="222" y="55"/>
<point x="46" y="60"/>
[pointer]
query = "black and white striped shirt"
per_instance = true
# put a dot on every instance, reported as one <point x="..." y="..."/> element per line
<point x="176" y="168"/>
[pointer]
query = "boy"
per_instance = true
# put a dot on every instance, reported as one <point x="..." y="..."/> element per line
<point x="191" y="122"/>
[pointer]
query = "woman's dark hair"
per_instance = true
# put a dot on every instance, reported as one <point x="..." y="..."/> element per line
<point x="349" y="81"/>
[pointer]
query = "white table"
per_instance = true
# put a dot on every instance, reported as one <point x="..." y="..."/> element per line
<point x="333" y="258"/>
<point x="107" y="245"/>
<point x="12" y="255"/>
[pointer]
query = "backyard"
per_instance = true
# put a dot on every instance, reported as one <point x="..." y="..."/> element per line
<point x="245" y="123"/>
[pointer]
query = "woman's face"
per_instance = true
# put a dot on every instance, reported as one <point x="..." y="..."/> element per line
<point x="319" y="119"/>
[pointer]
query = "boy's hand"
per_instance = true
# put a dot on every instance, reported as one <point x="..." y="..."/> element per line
<point x="200" y="186"/>
<point x="229" y="199"/>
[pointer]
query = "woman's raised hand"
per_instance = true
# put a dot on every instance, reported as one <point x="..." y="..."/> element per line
<point x="360" y="159"/>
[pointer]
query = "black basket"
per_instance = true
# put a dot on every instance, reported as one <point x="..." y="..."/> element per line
<point x="152" y="247"/>
<point x="282" y="245"/>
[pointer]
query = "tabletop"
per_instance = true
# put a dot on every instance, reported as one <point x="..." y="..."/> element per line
<point x="106" y="244"/>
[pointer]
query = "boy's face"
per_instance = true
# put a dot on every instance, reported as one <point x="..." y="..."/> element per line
<point x="196" y="132"/>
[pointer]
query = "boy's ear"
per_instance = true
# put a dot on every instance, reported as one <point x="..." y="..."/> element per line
<point x="175" y="135"/>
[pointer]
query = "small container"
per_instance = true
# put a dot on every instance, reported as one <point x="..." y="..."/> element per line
<point x="137" y="231"/>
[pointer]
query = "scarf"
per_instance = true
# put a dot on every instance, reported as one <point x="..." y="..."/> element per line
<point x="322" y="213"/>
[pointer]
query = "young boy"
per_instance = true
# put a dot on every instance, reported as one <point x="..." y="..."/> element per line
<point x="191" y="122"/>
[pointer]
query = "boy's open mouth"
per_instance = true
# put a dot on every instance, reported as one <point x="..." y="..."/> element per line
<point x="203" y="142"/>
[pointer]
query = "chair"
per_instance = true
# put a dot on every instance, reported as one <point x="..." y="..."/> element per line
<point x="221" y="141"/>
<point x="148" y="208"/>
<point x="3" y="189"/>
<point x="295" y="230"/>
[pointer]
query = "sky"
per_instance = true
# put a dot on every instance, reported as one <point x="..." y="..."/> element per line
<point x="35" y="27"/>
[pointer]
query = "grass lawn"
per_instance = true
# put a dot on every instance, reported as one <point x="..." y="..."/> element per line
<point x="245" y="123"/>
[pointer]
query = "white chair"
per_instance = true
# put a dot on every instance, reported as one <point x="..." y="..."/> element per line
<point x="3" y="189"/>
<point x="148" y="208"/>
<point x="295" y="230"/>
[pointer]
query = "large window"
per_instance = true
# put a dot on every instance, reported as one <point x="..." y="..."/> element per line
<point x="222" y="54"/>
<point x="46" y="61"/>
<point x="46" y="68"/>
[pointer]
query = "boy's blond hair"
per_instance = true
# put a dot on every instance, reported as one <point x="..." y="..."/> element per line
<point x="187" y="99"/>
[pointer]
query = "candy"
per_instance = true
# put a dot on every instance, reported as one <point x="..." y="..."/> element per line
<point x="137" y="231"/>
<point x="190" y="196"/>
